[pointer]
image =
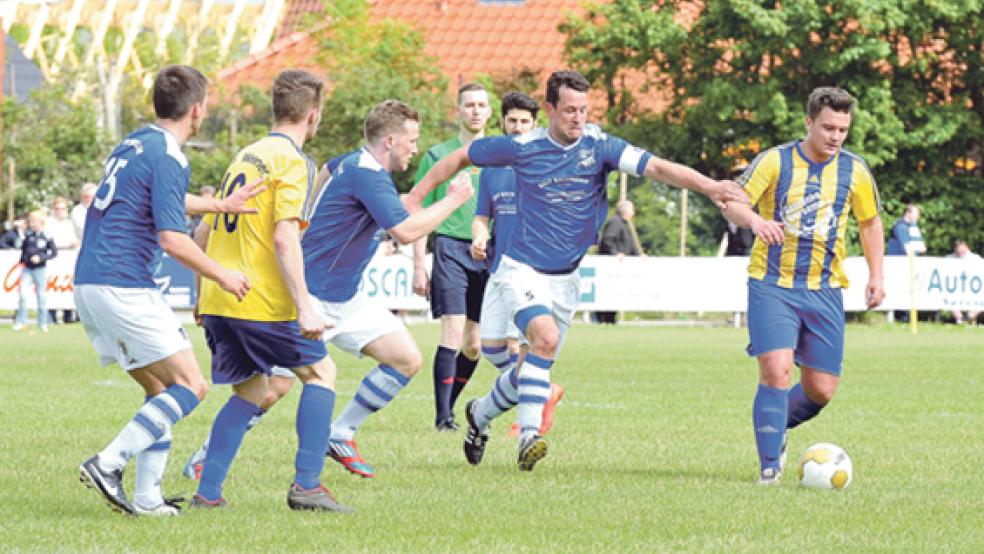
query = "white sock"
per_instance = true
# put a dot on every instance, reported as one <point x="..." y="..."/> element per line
<point x="150" y="466"/>
<point x="378" y="389"/>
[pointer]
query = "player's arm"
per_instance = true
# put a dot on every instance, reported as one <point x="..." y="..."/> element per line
<point x="873" y="243"/>
<point x="681" y="176"/>
<point x="181" y="247"/>
<point x="742" y="215"/>
<point x="200" y="236"/>
<point x="290" y="261"/>
<point x="441" y="171"/>
<point x="420" y="224"/>
<point x="480" y="236"/>
<point x="233" y="204"/>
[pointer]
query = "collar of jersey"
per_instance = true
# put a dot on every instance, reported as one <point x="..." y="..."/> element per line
<point x="290" y="140"/>
<point x="553" y="141"/>
<point x="814" y="166"/>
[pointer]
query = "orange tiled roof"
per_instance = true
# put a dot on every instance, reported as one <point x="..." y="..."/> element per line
<point x="468" y="37"/>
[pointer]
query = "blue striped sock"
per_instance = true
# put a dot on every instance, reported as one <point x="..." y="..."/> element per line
<point x="378" y="389"/>
<point x="227" y="435"/>
<point x="313" y="429"/>
<point x="499" y="400"/>
<point x="534" y="390"/>
<point x="151" y="422"/>
<point x="769" y="418"/>
<point x="499" y="356"/>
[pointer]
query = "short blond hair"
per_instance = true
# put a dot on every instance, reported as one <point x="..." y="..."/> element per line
<point x="388" y="117"/>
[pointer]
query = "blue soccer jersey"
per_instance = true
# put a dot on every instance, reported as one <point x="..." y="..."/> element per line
<point x="359" y="199"/>
<point x="497" y="201"/>
<point x="559" y="190"/>
<point x="141" y="194"/>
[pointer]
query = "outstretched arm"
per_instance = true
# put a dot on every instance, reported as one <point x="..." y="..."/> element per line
<point x="681" y="176"/>
<point x="443" y="170"/>
<point x="233" y="204"/>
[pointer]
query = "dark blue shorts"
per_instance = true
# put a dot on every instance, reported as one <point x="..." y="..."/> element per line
<point x="457" y="280"/>
<point x="242" y="348"/>
<point x="810" y="322"/>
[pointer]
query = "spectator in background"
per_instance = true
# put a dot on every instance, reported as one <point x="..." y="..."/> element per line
<point x="617" y="240"/>
<point x="207" y="191"/>
<point x="963" y="252"/>
<point x="86" y="194"/>
<point x="13" y="234"/>
<point x="61" y="230"/>
<point x="36" y="250"/>
<point x="906" y="235"/>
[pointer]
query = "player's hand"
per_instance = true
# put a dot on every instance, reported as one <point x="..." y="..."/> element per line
<point x="769" y="232"/>
<point x="421" y="283"/>
<point x="461" y="188"/>
<point x="478" y="249"/>
<point x="35" y="259"/>
<point x="236" y="203"/>
<point x="235" y="283"/>
<point x="312" y="326"/>
<point x="726" y="191"/>
<point x="195" y="313"/>
<point x="874" y="293"/>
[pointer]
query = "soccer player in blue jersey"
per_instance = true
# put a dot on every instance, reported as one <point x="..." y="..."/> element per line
<point x="276" y="325"/>
<point x="804" y="192"/>
<point x="138" y="211"/>
<point x="457" y="282"/>
<point x="561" y="177"/>
<point x="358" y="201"/>
<point x="497" y="206"/>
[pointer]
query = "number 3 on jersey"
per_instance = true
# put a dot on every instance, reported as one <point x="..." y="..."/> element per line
<point x="107" y="188"/>
<point x="225" y="190"/>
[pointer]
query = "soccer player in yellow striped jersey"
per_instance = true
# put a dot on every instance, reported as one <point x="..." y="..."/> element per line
<point x="277" y="327"/>
<point x="803" y="192"/>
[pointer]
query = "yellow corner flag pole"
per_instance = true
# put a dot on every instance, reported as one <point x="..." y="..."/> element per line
<point x="913" y="314"/>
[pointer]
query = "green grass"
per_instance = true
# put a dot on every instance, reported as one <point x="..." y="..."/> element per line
<point x="652" y="451"/>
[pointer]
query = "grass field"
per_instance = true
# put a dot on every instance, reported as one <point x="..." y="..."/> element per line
<point x="652" y="451"/>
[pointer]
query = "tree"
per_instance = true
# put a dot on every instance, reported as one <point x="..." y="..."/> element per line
<point x="369" y="61"/>
<point x="738" y="74"/>
<point x="56" y="145"/>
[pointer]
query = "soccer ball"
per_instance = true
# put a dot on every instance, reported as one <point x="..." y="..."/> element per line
<point x="825" y="466"/>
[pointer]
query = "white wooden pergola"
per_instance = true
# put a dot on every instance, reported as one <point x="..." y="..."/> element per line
<point x="55" y="24"/>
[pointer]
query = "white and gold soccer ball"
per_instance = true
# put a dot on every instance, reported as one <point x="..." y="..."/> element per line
<point x="825" y="466"/>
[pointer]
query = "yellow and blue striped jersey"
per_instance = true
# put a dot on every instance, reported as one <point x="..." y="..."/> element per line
<point x="813" y="201"/>
<point x="245" y="242"/>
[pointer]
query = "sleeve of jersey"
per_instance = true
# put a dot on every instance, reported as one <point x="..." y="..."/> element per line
<point x="484" y="205"/>
<point x="628" y="158"/>
<point x="762" y="173"/>
<point x="493" y="151"/>
<point x="382" y="201"/>
<point x="290" y="189"/>
<point x="167" y="195"/>
<point x="865" y="202"/>
<point x="426" y="162"/>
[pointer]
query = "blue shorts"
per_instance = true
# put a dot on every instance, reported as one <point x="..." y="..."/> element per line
<point x="242" y="348"/>
<point x="457" y="280"/>
<point x="810" y="322"/>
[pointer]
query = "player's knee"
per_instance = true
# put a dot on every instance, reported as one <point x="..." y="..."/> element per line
<point x="775" y="375"/>
<point x="409" y="364"/>
<point x="472" y="351"/>
<point x="200" y="388"/>
<point x="821" y="394"/>
<point x="545" y="342"/>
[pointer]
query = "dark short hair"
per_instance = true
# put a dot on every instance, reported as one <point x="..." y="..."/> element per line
<point x="176" y="89"/>
<point x="519" y="101"/>
<point x="469" y="87"/>
<point x="836" y="99"/>
<point x="295" y="93"/>
<point x="569" y="79"/>
<point x="387" y="117"/>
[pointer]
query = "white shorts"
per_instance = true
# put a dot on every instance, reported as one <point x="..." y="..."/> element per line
<point x="516" y="286"/>
<point x="134" y="327"/>
<point x="353" y="324"/>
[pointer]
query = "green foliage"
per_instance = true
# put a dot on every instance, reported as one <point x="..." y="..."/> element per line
<point x="740" y="74"/>
<point x="369" y="61"/>
<point x="56" y="144"/>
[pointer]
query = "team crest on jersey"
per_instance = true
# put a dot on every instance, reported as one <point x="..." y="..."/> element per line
<point x="585" y="157"/>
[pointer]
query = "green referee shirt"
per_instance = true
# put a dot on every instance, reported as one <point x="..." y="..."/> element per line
<point x="458" y="224"/>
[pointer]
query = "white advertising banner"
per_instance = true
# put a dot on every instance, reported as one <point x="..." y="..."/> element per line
<point x="607" y="283"/>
